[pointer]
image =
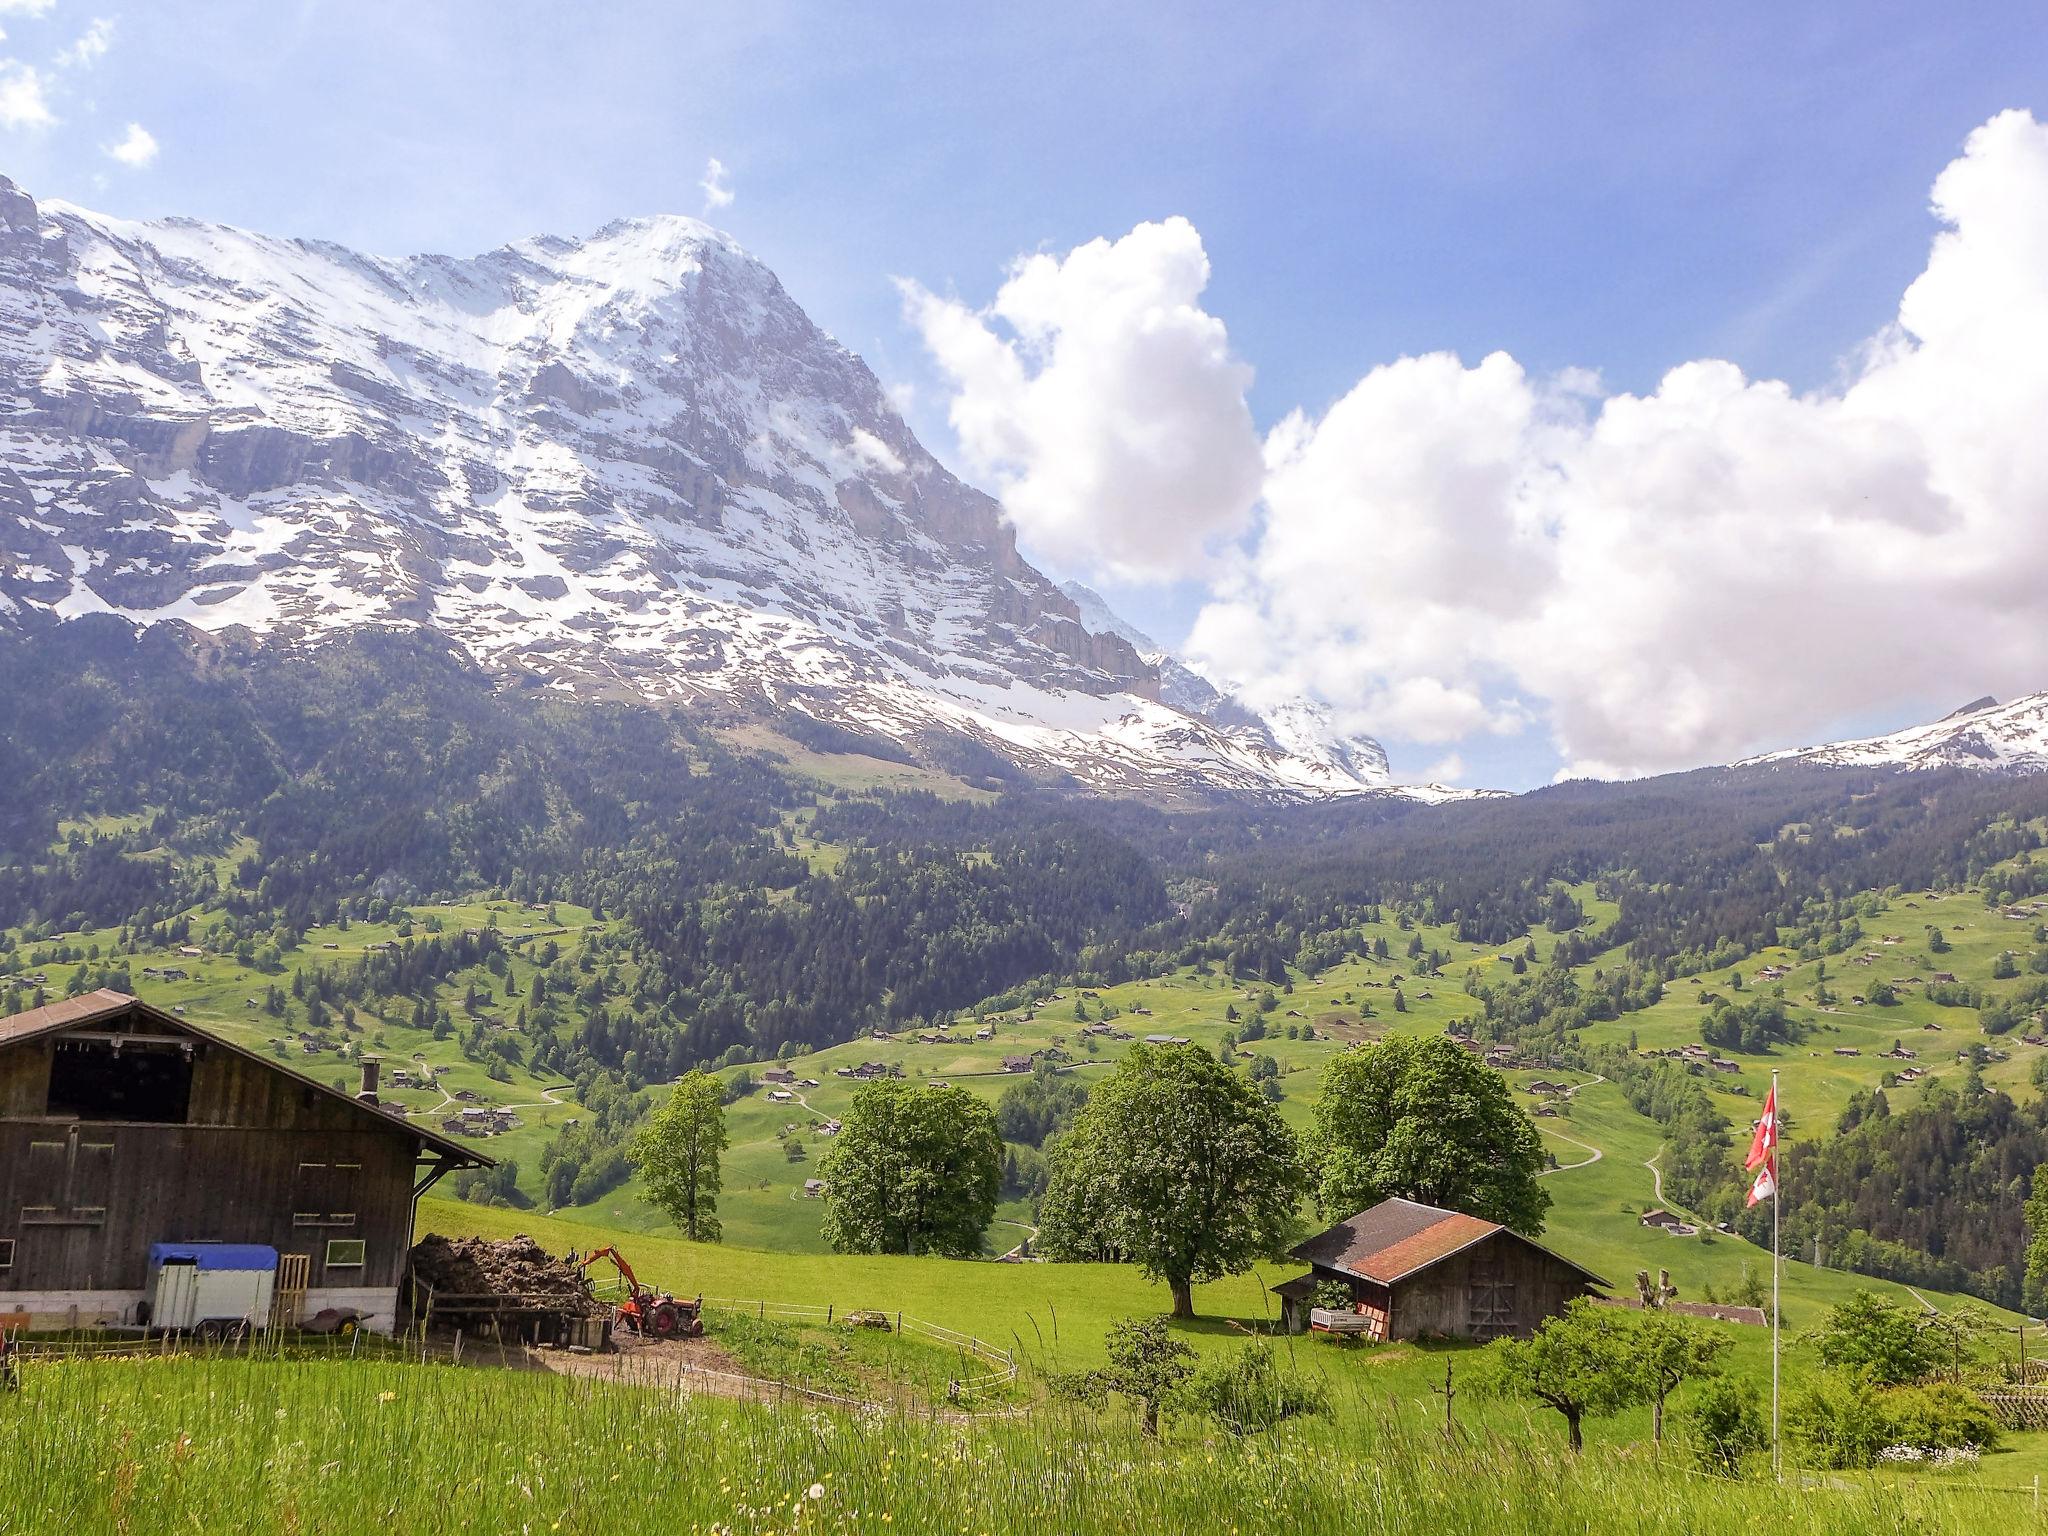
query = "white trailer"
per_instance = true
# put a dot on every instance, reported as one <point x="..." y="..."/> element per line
<point x="210" y="1286"/>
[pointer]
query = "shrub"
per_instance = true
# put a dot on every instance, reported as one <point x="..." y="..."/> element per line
<point x="1837" y="1421"/>
<point x="1250" y="1392"/>
<point x="1842" y="1420"/>
<point x="1941" y="1416"/>
<point x="1722" y="1425"/>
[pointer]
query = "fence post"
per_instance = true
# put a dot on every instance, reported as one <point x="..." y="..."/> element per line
<point x="828" y="1314"/>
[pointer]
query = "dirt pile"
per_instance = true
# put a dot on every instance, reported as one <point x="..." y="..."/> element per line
<point x="516" y="1267"/>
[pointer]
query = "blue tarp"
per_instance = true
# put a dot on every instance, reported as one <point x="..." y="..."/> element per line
<point x="215" y="1255"/>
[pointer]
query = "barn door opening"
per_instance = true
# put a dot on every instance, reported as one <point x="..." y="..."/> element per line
<point x="1492" y="1313"/>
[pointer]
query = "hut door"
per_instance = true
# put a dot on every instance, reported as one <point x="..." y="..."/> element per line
<point x="1493" y="1303"/>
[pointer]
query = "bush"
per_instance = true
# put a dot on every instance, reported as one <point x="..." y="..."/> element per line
<point x="1250" y="1392"/>
<point x="1941" y="1416"/>
<point x="1836" y="1421"/>
<point x="1722" y="1425"/>
<point x="1842" y="1419"/>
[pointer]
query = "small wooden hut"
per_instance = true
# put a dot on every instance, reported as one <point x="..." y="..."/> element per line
<point x="1410" y="1271"/>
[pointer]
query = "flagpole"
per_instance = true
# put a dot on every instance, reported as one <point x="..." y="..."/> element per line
<point x="1777" y="1264"/>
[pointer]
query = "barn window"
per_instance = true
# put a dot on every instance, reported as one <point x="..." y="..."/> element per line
<point x="93" y="1080"/>
<point x="345" y="1253"/>
<point x="6" y="1253"/>
<point x="326" y="1195"/>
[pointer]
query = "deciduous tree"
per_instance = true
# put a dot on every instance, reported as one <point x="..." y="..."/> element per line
<point x="916" y="1169"/>
<point x="1419" y="1118"/>
<point x="677" y="1153"/>
<point x="1177" y="1164"/>
<point x="1578" y="1363"/>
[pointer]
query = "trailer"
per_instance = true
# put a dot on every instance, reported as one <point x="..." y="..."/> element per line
<point x="210" y="1287"/>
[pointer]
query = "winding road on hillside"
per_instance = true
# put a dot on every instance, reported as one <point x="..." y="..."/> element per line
<point x="1584" y="1162"/>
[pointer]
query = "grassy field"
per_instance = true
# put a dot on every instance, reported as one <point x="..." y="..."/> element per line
<point x="134" y="1447"/>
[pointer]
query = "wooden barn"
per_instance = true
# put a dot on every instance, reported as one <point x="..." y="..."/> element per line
<point x="128" y="1135"/>
<point x="1413" y="1271"/>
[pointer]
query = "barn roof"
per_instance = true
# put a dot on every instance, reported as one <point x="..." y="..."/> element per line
<point x="1397" y="1238"/>
<point x="104" y="1005"/>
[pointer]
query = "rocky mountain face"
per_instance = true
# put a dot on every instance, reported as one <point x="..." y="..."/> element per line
<point x="1986" y="736"/>
<point x="626" y="465"/>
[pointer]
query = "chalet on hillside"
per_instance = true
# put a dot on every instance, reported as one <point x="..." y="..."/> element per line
<point x="1415" y="1271"/>
<point x="126" y="1131"/>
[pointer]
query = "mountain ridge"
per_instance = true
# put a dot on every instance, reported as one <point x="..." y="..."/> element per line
<point x="1985" y="736"/>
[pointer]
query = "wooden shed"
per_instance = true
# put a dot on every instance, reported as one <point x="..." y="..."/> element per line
<point x="1411" y="1271"/>
<point x="123" y="1127"/>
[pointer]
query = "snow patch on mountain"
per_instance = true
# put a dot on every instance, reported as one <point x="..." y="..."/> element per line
<point x="1986" y="736"/>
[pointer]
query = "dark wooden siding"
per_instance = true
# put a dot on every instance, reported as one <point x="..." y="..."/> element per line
<point x="262" y="1159"/>
<point x="1496" y="1287"/>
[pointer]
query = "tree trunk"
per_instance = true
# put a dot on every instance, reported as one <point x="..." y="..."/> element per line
<point x="1657" y="1420"/>
<point x="1151" y="1415"/>
<point x="1183" y="1295"/>
<point x="1571" y="1419"/>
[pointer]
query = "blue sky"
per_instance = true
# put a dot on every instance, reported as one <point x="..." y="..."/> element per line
<point x="1614" y="187"/>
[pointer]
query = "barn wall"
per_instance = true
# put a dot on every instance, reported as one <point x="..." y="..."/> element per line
<point x="262" y="1159"/>
<point x="1531" y="1286"/>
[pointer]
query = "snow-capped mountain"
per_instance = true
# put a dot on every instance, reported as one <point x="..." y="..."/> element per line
<point x="1987" y="736"/>
<point x="627" y="464"/>
<point x="1301" y="729"/>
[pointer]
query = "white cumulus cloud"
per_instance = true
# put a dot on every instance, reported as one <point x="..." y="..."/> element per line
<point x="27" y="7"/>
<point x="717" y="185"/>
<point x="136" y="148"/>
<point x="1103" y="403"/>
<point x="91" y="47"/>
<point x="24" y="97"/>
<point x="1720" y="565"/>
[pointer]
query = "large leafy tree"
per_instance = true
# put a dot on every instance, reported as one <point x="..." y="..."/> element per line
<point x="1419" y="1118"/>
<point x="677" y="1154"/>
<point x="916" y="1169"/>
<point x="1178" y="1164"/>
<point x="1581" y="1363"/>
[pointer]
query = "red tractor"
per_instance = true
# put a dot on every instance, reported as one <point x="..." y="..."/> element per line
<point x="645" y="1313"/>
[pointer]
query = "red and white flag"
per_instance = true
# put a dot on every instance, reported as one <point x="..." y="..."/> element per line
<point x="1766" y="1185"/>
<point x="1766" y="1140"/>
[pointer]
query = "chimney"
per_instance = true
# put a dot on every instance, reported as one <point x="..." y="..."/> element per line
<point x="368" y="1093"/>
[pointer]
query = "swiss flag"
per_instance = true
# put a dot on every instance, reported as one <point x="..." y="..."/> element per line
<point x="1766" y="1140"/>
<point x="1766" y="1185"/>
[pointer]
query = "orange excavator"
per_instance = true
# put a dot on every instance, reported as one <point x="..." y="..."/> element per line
<point x="643" y="1312"/>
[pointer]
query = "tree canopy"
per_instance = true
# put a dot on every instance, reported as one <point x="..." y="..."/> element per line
<point x="1420" y="1118"/>
<point x="915" y="1169"/>
<point x="1178" y="1164"/>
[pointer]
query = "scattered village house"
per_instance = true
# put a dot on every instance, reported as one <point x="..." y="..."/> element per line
<point x="1415" y="1271"/>
<point x="123" y="1128"/>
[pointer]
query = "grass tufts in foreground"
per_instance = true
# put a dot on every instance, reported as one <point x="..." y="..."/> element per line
<point x="138" y="1446"/>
